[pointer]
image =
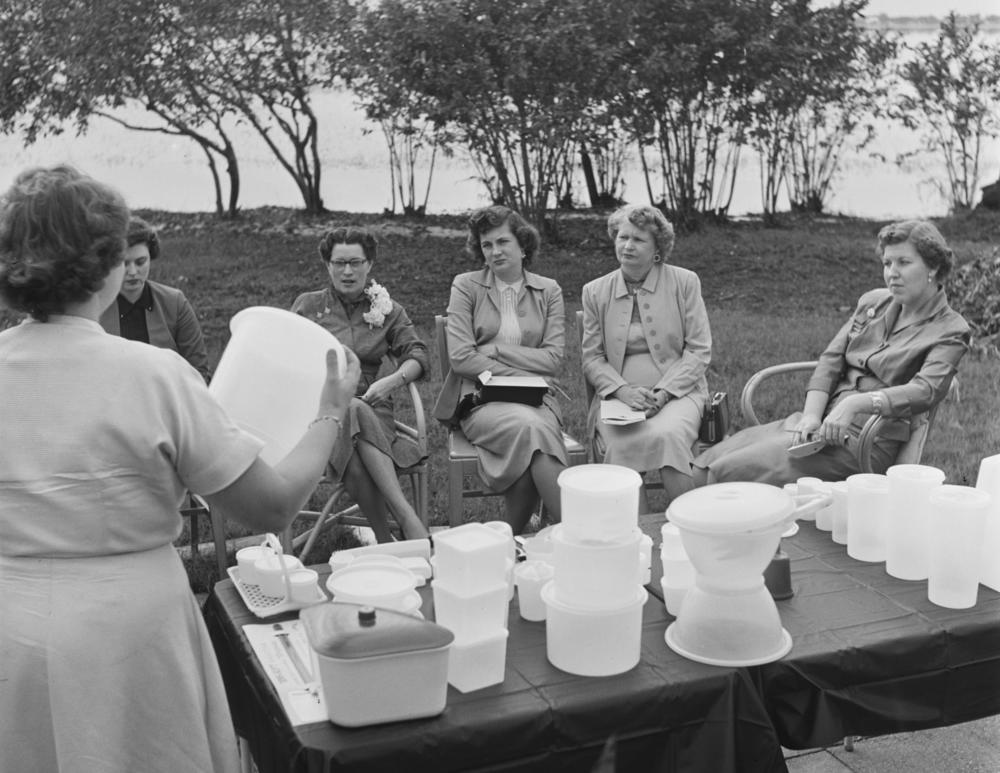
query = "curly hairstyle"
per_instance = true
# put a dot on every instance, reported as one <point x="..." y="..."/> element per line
<point x="61" y="233"/>
<point x="488" y="218"/>
<point x="926" y="239"/>
<point x="349" y="235"/>
<point x="141" y="232"/>
<point x="649" y="219"/>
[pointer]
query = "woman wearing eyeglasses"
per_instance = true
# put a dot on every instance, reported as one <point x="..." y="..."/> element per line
<point x="362" y="316"/>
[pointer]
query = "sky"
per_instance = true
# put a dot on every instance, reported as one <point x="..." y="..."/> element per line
<point x="939" y="8"/>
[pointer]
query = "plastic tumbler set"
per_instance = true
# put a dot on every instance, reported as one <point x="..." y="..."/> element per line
<point x="921" y="528"/>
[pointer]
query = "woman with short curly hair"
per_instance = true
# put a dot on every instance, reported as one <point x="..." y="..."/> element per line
<point x="360" y="313"/>
<point x="896" y="357"/>
<point x="647" y="343"/>
<point x="105" y="661"/>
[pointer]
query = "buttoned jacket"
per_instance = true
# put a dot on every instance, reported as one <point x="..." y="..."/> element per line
<point x="473" y="325"/>
<point x="172" y="324"/>
<point x="674" y="322"/>
<point x="913" y="365"/>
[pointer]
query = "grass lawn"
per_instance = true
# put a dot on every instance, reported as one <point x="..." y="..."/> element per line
<point x="774" y="295"/>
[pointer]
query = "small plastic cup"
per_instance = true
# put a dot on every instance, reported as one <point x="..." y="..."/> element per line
<point x="530" y="576"/>
<point x="246" y="559"/>
<point x="305" y="585"/>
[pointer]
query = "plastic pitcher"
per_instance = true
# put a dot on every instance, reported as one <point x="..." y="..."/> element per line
<point x="271" y="374"/>
<point x="958" y="517"/>
<point x="908" y="543"/>
<point x="867" y="516"/>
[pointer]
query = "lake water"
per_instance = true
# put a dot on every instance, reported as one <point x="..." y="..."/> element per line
<point x="158" y="171"/>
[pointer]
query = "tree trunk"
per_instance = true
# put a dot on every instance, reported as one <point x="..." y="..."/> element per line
<point x="588" y="175"/>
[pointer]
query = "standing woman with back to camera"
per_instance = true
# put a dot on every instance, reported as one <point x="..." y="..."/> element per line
<point x="105" y="662"/>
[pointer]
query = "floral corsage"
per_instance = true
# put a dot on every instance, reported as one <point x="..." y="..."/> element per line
<point x="381" y="305"/>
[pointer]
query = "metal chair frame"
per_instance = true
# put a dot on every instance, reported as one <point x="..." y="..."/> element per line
<point x="909" y="453"/>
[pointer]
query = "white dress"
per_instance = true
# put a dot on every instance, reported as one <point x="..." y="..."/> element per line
<point x="105" y="662"/>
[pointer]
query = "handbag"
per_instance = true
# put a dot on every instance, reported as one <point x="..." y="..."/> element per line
<point x="715" y="419"/>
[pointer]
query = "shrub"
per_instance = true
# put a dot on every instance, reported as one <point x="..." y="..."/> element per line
<point x="975" y="294"/>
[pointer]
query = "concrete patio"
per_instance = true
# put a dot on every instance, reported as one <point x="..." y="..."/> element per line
<point x="972" y="747"/>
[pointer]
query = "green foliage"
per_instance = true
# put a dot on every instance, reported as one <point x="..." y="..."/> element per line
<point x="821" y="83"/>
<point x="513" y="81"/>
<point x="952" y="97"/>
<point x="974" y="289"/>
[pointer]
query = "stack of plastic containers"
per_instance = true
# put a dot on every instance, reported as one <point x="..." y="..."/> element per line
<point x="471" y="590"/>
<point x="593" y="621"/>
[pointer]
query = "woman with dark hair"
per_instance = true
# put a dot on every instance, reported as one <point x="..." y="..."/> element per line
<point x="896" y="356"/>
<point x="105" y="661"/>
<point x="360" y="313"/>
<point x="507" y="320"/>
<point x="151" y="312"/>
<point x="647" y="342"/>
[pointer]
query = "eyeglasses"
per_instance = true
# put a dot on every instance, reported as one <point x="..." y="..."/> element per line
<point x="355" y="264"/>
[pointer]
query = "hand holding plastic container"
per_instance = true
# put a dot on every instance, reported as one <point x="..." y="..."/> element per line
<point x="271" y="375"/>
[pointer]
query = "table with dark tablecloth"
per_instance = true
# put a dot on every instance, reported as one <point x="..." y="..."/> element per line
<point x="871" y="655"/>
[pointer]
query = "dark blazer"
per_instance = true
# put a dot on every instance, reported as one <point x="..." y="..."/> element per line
<point x="171" y="323"/>
<point x="474" y="319"/>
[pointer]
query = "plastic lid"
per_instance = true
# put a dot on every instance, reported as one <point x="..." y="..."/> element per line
<point x="355" y="631"/>
<point x="470" y="537"/>
<point x="599" y="477"/>
<point x="371" y="578"/>
<point x="731" y="508"/>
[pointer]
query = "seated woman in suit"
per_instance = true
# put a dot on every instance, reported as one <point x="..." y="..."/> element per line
<point x="152" y="312"/>
<point x="896" y="356"/>
<point x="361" y="315"/>
<point x="647" y="342"/>
<point x="509" y="321"/>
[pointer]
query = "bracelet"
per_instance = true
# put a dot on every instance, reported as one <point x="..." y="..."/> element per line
<point x="325" y="417"/>
<point x="878" y="402"/>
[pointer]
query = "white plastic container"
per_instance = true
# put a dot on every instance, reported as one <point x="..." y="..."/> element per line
<point x="377" y="584"/>
<point x="376" y="665"/>
<point x="271" y="374"/>
<point x="989" y="481"/>
<point x="538" y="547"/>
<point x="473" y="556"/>
<point x="673" y="595"/>
<point x="599" y="501"/>
<point x="809" y="486"/>
<point x="671" y="545"/>
<point x="729" y="628"/>
<point x="958" y="515"/>
<point x="304" y="584"/>
<point x="271" y="568"/>
<point x="645" y="559"/>
<point x="530" y="577"/>
<point x="596" y="575"/>
<point x="908" y="535"/>
<point x="246" y="559"/>
<point x="473" y="665"/>
<point x="867" y="516"/>
<point x="838" y="521"/>
<point x="470" y="615"/>
<point x="591" y="642"/>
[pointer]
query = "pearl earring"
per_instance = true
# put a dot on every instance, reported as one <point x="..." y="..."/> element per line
<point x="657" y="258"/>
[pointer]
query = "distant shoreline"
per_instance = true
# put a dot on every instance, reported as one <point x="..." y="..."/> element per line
<point x="925" y="24"/>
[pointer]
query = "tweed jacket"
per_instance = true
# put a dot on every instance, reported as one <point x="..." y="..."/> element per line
<point x="474" y="322"/>
<point x="171" y="323"/>
<point x="913" y="365"/>
<point x="674" y="321"/>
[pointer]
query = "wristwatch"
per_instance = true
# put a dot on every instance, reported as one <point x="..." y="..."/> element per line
<point x="878" y="402"/>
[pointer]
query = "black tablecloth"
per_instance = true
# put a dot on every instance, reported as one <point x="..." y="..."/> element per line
<point x="666" y="714"/>
<point x="871" y="655"/>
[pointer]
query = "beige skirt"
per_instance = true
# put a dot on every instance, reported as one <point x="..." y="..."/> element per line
<point x="106" y="665"/>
